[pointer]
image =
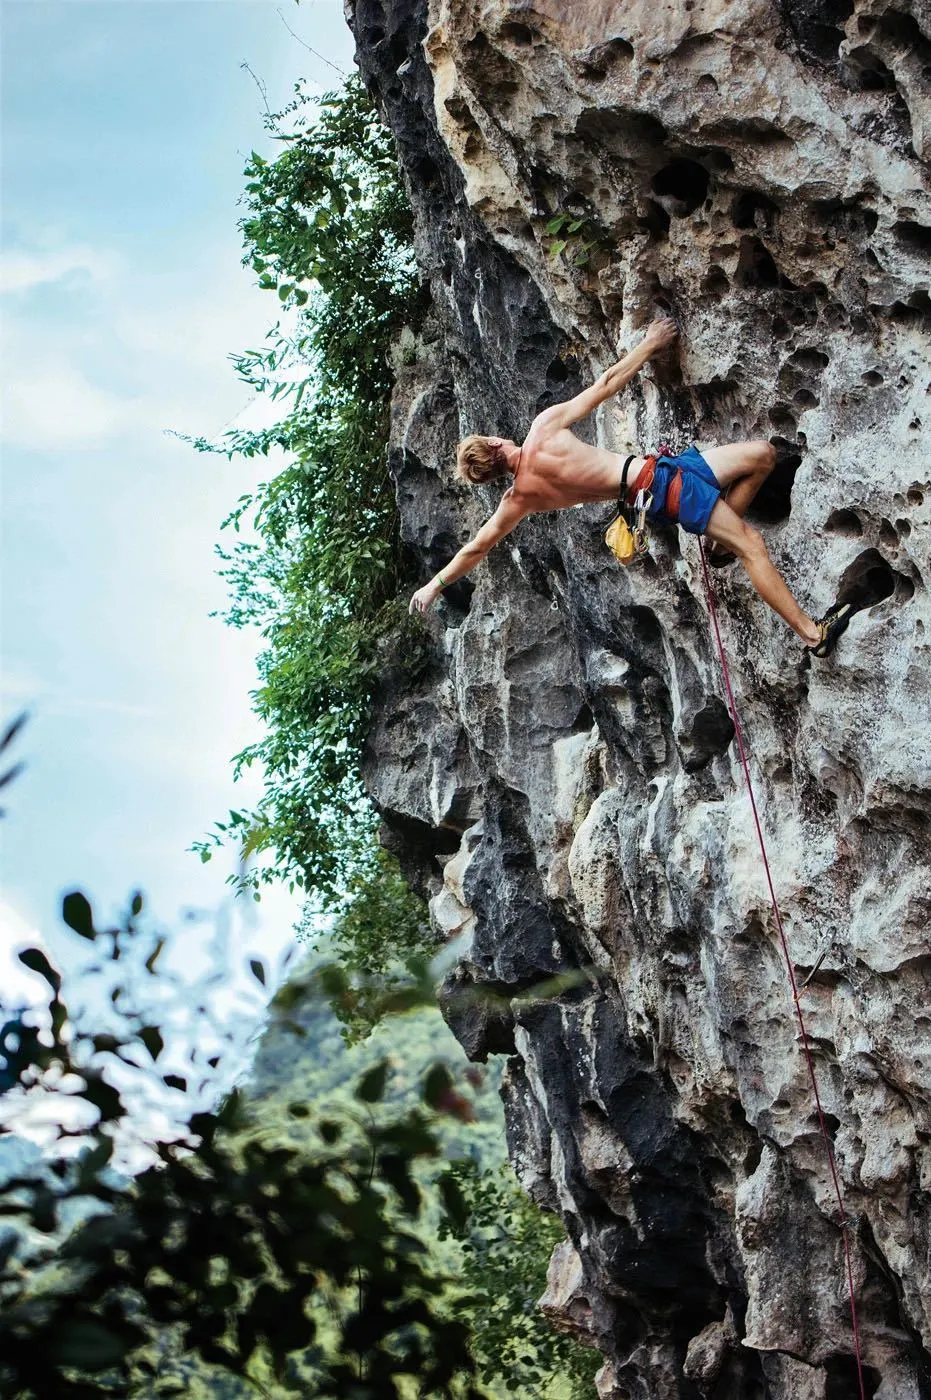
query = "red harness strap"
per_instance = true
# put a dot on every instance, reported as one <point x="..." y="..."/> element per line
<point x="673" y="496"/>
<point x="674" y="491"/>
<point x="644" y="478"/>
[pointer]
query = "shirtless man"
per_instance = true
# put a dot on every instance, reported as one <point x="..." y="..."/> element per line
<point x="554" y="470"/>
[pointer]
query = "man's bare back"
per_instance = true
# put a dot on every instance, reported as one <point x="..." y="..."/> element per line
<point x="558" y="470"/>
<point x="554" y="470"/>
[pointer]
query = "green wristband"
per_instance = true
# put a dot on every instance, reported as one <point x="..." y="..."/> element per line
<point x="442" y="581"/>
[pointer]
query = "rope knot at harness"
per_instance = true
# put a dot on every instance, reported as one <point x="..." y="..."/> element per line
<point x="844" y="1220"/>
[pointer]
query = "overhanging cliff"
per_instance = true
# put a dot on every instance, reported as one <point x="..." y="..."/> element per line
<point x="561" y="779"/>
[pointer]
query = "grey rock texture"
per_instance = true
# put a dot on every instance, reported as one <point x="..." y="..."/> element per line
<point x="561" y="779"/>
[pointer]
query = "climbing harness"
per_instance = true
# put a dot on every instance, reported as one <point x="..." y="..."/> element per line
<point x="628" y="535"/>
<point x="796" y="989"/>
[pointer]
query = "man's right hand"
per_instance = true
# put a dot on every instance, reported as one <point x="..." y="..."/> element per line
<point x="660" y="333"/>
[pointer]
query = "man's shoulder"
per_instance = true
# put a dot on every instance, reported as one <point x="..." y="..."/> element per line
<point x="547" y="430"/>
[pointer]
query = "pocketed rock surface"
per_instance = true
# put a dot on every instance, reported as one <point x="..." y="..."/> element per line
<point x="559" y="775"/>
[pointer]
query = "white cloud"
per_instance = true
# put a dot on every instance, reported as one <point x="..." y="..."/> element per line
<point x="21" y="271"/>
<point x="151" y="352"/>
<point x="54" y="406"/>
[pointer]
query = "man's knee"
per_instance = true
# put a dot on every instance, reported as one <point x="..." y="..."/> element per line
<point x="764" y="455"/>
<point x="751" y="547"/>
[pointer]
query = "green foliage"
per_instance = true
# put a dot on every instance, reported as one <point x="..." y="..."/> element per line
<point x="383" y="933"/>
<point x="328" y="227"/>
<point x="506" y="1243"/>
<point x="296" y="1266"/>
<point x="318" y="1234"/>
<point x="577" y="234"/>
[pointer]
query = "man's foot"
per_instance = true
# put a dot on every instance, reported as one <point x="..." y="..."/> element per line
<point x="832" y="625"/>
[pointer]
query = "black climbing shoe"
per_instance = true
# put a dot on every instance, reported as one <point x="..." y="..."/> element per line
<point x="832" y="625"/>
<point x="719" y="558"/>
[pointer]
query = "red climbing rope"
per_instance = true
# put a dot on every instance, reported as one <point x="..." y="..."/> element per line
<point x="738" y="733"/>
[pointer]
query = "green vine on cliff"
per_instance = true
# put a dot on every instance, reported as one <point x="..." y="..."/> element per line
<point x="328" y="229"/>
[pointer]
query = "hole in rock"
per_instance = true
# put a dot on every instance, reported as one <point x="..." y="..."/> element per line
<point x="905" y="32"/>
<point x="715" y="283"/>
<point x="684" y="183"/>
<point x="844" y="522"/>
<point x="782" y="419"/>
<point x="756" y="266"/>
<point x="706" y="83"/>
<point x="716" y="399"/>
<point x="904" y="528"/>
<point x="873" y="378"/>
<point x="710" y="733"/>
<point x="584" y="721"/>
<point x="423" y="841"/>
<point x="915" y="237"/>
<point x="844" y="221"/>
<point x="718" y="159"/>
<point x="915" y="495"/>
<point x="655" y="218"/>
<point x="517" y="33"/>
<point x="781" y="328"/>
<point x="754" y="210"/>
<point x="773" y="501"/>
<point x="818" y="25"/>
<point x="869" y="580"/>
<point x="496" y="69"/>
<point x="623" y="132"/>
<point x="887" y="535"/>
<point x="427" y="172"/>
<point x="557" y="371"/>
<point x="911" y="312"/>
<point x="753" y="1158"/>
<point x="598" y="61"/>
<point x="841" y="1378"/>
<point x="863" y="69"/>
<point x="803" y="399"/>
<point x="809" y="361"/>
<point x="374" y="36"/>
<point x="803" y="315"/>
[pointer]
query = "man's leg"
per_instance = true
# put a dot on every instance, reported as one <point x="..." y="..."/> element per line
<point x="727" y="529"/>
<point x="741" y="468"/>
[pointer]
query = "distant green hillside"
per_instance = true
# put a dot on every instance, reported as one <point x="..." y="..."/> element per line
<point x="318" y="1068"/>
<point x="501" y="1258"/>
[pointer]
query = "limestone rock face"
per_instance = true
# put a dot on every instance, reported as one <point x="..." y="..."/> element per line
<point x="562" y="779"/>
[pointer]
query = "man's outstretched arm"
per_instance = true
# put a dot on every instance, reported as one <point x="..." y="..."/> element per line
<point x="508" y="514"/>
<point x="659" y="334"/>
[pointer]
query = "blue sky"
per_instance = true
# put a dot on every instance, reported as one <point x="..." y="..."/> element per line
<point x="125" y="127"/>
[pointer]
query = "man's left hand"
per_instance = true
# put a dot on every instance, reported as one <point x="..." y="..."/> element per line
<point x="424" y="598"/>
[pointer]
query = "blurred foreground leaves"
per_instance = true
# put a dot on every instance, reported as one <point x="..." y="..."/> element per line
<point x="301" y="1237"/>
<point x="291" y="1264"/>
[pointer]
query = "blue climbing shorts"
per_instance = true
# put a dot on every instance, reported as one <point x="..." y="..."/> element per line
<point x="700" y="490"/>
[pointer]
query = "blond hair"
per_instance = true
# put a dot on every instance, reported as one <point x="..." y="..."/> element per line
<point x="480" y="459"/>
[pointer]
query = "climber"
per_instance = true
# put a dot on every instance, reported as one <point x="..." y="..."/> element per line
<point x="553" y="469"/>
